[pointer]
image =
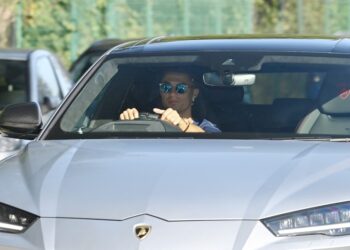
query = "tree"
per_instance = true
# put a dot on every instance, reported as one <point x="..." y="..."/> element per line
<point x="7" y="19"/>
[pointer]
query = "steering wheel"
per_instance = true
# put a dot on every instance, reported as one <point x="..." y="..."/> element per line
<point x="145" y="116"/>
<point x="147" y="122"/>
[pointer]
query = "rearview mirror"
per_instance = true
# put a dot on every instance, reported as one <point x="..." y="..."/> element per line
<point x="228" y="79"/>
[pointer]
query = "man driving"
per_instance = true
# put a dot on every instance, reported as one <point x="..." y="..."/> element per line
<point x="178" y="92"/>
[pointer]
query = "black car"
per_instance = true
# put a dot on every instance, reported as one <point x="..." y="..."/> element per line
<point x="90" y="55"/>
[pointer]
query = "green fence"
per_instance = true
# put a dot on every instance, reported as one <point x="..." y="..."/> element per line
<point x="68" y="27"/>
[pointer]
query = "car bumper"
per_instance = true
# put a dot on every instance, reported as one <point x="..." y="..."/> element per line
<point x="53" y="234"/>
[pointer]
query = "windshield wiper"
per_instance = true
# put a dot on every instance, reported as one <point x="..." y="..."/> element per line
<point x="300" y="138"/>
<point x="323" y="138"/>
<point x="345" y="139"/>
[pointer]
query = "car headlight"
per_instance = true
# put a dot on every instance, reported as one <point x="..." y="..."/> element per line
<point x="14" y="220"/>
<point x="332" y="220"/>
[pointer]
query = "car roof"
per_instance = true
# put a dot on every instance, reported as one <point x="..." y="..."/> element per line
<point x="246" y="43"/>
<point x="14" y="54"/>
<point x="21" y="54"/>
<point x="106" y="44"/>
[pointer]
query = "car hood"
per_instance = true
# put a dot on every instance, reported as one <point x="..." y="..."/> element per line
<point x="181" y="179"/>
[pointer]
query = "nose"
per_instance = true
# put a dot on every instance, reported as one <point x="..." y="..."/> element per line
<point x="173" y="92"/>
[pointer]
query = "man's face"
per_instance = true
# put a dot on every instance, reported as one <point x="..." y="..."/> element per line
<point x="181" y="102"/>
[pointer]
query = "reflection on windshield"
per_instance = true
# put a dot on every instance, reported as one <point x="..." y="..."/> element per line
<point x="290" y="95"/>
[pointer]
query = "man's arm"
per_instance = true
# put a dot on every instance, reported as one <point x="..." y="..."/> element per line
<point x="172" y="116"/>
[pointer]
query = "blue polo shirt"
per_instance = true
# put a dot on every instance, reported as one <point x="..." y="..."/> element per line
<point x="208" y="126"/>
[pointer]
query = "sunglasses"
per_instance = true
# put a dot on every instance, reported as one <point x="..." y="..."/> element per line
<point x="180" y="88"/>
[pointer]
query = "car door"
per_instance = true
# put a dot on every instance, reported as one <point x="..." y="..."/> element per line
<point x="45" y="85"/>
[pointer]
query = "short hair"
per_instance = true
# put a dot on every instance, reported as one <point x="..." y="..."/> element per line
<point x="180" y="70"/>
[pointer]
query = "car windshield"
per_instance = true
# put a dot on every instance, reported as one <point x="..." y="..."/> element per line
<point x="13" y="82"/>
<point x="255" y="95"/>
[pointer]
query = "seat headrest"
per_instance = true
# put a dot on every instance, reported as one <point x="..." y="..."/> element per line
<point x="334" y="97"/>
<point x="222" y="95"/>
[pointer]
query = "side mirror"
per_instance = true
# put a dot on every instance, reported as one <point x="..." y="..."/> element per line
<point x="21" y="120"/>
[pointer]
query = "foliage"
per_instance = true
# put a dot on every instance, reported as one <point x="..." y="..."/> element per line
<point x="46" y="24"/>
<point x="67" y="27"/>
<point x="7" y="19"/>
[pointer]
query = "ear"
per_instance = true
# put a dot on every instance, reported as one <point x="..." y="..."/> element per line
<point x="195" y="93"/>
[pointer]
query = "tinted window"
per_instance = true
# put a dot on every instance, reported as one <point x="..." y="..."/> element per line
<point x="13" y="82"/>
<point x="282" y="91"/>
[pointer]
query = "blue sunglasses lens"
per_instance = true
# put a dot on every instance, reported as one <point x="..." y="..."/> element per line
<point x="180" y="88"/>
<point x="165" y="87"/>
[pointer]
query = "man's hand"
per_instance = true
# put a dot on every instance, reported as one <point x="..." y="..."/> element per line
<point x="172" y="116"/>
<point x="129" y="114"/>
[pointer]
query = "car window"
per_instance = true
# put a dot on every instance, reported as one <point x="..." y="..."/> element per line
<point x="271" y="86"/>
<point x="75" y="119"/>
<point x="14" y="82"/>
<point x="286" y="89"/>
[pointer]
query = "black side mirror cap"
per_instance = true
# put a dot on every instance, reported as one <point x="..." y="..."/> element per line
<point x="21" y="120"/>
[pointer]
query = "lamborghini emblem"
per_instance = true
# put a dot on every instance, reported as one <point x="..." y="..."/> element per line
<point x="141" y="231"/>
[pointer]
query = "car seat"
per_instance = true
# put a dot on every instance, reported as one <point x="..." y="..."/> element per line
<point x="224" y="103"/>
<point x="332" y="115"/>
